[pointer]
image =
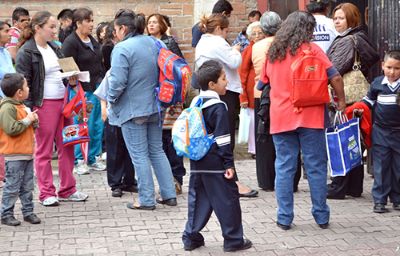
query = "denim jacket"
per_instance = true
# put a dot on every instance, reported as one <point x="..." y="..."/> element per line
<point x="133" y="78"/>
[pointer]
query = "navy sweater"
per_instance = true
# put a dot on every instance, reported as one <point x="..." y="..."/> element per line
<point x="220" y="156"/>
<point x="382" y="98"/>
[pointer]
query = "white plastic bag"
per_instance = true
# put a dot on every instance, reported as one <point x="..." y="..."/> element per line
<point x="244" y="126"/>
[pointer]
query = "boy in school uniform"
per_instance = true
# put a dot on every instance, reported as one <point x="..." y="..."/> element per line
<point x="17" y="144"/>
<point x="211" y="184"/>
<point x="383" y="96"/>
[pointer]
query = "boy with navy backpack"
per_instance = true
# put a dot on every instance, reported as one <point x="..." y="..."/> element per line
<point x="211" y="184"/>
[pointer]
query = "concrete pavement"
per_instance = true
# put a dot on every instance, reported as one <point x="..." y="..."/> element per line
<point x="104" y="226"/>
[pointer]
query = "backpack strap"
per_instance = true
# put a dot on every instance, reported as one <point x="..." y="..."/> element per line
<point x="157" y="43"/>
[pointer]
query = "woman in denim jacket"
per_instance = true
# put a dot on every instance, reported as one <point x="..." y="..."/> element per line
<point x="133" y="79"/>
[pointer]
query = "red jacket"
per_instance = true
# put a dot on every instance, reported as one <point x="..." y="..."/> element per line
<point x="247" y="77"/>
<point x="366" y="121"/>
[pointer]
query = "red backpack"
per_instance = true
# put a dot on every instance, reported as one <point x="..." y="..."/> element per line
<point x="175" y="76"/>
<point x="309" y="80"/>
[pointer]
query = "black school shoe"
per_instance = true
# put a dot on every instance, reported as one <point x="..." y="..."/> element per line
<point x="380" y="208"/>
<point x="116" y="192"/>
<point x="193" y="246"/>
<point x="32" y="218"/>
<point x="10" y="221"/>
<point x="246" y="245"/>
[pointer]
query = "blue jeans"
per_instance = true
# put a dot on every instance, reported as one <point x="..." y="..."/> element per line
<point x="143" y="138"/>
<point x="19" y="183"/>
<point x="311" y="142"/>
<point x="96" y="127"/>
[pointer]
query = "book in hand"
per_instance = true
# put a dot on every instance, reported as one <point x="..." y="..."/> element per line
<point x="70" y="68"/>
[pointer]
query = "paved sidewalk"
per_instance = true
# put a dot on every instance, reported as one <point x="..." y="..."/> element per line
<point x="104" y="226"/>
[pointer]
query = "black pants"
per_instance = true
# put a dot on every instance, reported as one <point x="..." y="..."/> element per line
<point x="120" y="170"/>
<point x="351" y="184"/>
<point x="176" y="162"/>
<point x="231" y="99"/>
<point x="208" y="193"/>
<point x="265" y="160"/>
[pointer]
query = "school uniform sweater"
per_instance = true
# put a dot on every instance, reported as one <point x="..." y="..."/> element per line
<point x="220" y="156"/>
<point x="382" y="96"/>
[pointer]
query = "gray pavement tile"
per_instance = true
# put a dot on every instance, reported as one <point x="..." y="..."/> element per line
<point x="104" y="226"/>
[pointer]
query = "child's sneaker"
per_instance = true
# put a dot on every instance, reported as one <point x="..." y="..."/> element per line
<point x="10" y="221"/>
<point x="32" y="218"/>
<point x="81" y="169"/>
<point x="50" y="201"/>
<point x="97" y="166"/>
<point x="75" y="197"/>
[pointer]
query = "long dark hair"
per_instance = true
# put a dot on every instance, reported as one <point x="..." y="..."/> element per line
<point x="39" y="19"/>
<point x="295" y="30"/>
<point x="135" y="23"/>
<point x="109" y="36"/>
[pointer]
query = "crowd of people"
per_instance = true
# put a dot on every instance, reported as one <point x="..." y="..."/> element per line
<point x="126" y="122"/>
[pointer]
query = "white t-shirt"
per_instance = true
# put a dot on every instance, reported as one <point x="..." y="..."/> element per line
<point x="324" y="32"/>
<point x="53" y="85"/>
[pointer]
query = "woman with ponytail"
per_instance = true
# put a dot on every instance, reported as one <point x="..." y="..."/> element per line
<point x="133" y="79"/>
<point x="37" y="60"/>
<point x="86" y="52"/>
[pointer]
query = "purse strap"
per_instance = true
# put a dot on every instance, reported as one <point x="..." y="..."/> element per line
<point x="357" y="61"/>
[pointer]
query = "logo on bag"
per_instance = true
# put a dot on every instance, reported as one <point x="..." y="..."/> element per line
<point x="353" y="148"/>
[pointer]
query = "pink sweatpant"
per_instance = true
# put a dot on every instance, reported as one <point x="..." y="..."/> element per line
<point x="50" y="131"/>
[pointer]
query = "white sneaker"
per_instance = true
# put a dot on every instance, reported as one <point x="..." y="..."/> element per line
<point x="97" y="166"/>
<point x="50" y="201"/>
<point x="81" y="169"/>
<point x="75" y="197"/>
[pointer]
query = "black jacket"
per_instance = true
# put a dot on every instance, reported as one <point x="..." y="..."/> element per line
<point x="86" y="58"/>
<point x="342" y="51"/>
<point x="29" y="62"/>
<point x="171" y="44"/>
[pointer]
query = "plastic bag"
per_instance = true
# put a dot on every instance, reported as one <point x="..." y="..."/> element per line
<point x="244" y="126"/>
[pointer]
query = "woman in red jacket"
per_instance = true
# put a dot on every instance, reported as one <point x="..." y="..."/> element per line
<point x="247" y="77"/>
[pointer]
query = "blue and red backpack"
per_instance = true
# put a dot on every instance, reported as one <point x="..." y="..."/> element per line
<point x="175" y="76"/>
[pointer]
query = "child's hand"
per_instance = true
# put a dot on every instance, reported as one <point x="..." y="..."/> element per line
<point x="358" y="112"/>
<point x="229" y="173"/>
<point x="32" y="116"/>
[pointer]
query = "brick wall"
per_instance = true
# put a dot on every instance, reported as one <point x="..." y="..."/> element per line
<point x="181" y="13"/>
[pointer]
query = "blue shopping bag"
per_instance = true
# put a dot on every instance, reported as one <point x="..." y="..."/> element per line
<point x="343" y="145"/>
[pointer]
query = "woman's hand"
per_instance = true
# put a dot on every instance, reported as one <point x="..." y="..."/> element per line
<point x="244" y="105"/>
<point x="237" y="47"/>
<point x="229" y="173"/>
<point x="72" y="80"/>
